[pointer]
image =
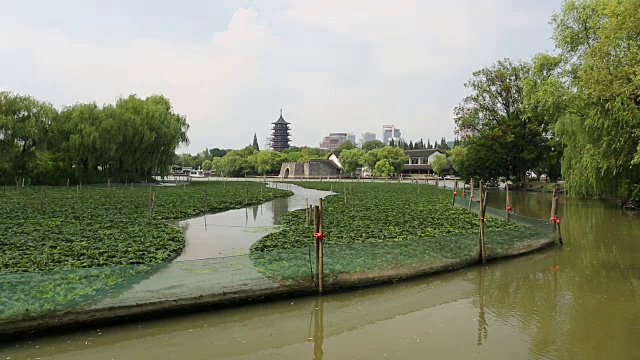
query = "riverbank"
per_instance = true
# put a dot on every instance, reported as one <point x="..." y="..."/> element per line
<point x="538" y="186"/>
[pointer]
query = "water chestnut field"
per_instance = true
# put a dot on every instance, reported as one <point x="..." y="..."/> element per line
<point x="384" y="228"/>
<point x="378" y="212"/>
<point x="56" y="228"/>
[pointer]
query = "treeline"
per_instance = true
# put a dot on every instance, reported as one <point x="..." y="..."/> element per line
<point x="419" y="145"/>
<point x="247" y="161"/>
<point x="250" y="161"/>
<point x="575" y="113"/>
<point x="86" y="143"/>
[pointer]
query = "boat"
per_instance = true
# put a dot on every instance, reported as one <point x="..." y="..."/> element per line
<point x="196" y="173"/>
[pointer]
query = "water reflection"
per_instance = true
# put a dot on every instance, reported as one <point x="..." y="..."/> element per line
<point x="483" y="326"/>
<point x="233" y="232"/>
<point x="318" y="328"/>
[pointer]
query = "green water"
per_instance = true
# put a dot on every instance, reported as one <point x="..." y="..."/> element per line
<point x="580" y="301"/>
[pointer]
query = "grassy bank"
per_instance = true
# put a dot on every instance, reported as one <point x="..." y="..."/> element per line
<point x="385" y="227"/>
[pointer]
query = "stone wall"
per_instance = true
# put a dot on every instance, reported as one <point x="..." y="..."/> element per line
<point x="311" y="169"/>
<point x="292" y="170"/>
<point x="319" y="168"/>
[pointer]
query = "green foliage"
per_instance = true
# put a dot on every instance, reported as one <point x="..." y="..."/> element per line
<point x="596" y="77"/>
<point x="207" y="165"/>
<point x="377" y="212"/>
<point x="85" y="142"/>
<point x="383" y="168"/>
<point x="458" y="158"/>
<point x="511" y="135"/>
<point x="393" y="156"/>
<point x="439" y="163"/>
<point x="352" y="159"/>
<point x="63" y="228"/>
<point x="372" y="144"/>
<point x="345" y="145"/>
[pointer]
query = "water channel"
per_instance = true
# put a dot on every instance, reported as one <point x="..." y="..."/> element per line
<point x="581" y="301"/>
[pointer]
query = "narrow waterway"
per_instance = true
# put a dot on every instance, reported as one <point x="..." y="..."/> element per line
<point x="232" y="232"/>
<point x="579" y="301"/>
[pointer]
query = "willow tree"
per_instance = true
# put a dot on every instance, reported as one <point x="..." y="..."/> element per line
<point x="87" y="142"/>
<point x="599" y="43"/>
<point x="24" y="129"/>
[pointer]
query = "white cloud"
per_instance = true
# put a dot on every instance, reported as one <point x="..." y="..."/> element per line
<point x="334" y="65"/>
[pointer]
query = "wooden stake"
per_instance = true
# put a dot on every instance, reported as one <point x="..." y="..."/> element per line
<point x="554" y="218"/>
<point x="482" y="213"/>
<point x="508" y="202"/>
<point x="153" y="202"/>
<point x="455" y="190"/>
<point x="321" y="255"/>
<point x="316" y="230"/>
<point x="471" y="195"/>
<point x="67" y="182"/>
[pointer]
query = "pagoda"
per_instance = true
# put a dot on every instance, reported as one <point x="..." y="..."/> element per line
<point x="280" y="137"/>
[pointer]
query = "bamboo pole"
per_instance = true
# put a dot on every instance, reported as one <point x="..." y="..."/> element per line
<point x="153" y="202"/>
<point x="471" y="195"/>
<point x="508" y="202"/>
<point x="483" y="197"/>
<point x="455" y="193"/>
<point x="316" y="230"/>
<point x="321" y="255"/>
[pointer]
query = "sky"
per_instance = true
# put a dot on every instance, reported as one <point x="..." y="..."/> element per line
<point x="229" y="66"/>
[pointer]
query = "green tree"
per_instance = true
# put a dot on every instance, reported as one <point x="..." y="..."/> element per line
<point x="372" y="144"/>
<point x="439" y="163"/>
<point x="345" y="145"/>
<point x="207" y="165"/>
<point x="508" y="140"/>
<point x="383" y="168"/>
<point x="255" y="145"/>
<point x="24" y="129"/>
<point x="352" y="159"/>
<point x="267" y="162"/>
<point x="597" y="78"/>
<point x="394" y="157"/>
<point x="458" y="158"/>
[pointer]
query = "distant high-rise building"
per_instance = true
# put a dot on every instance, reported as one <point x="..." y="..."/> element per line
<point x="366" y="136"/>
<point x="390" y="132"/>
<point x="280" y="137"/>
<point x="352" y="138"/>
<point x="267" y="144"/>
<point x="333" y="140"/>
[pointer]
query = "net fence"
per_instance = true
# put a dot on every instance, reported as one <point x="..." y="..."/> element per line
<point x="83" y="293"/>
